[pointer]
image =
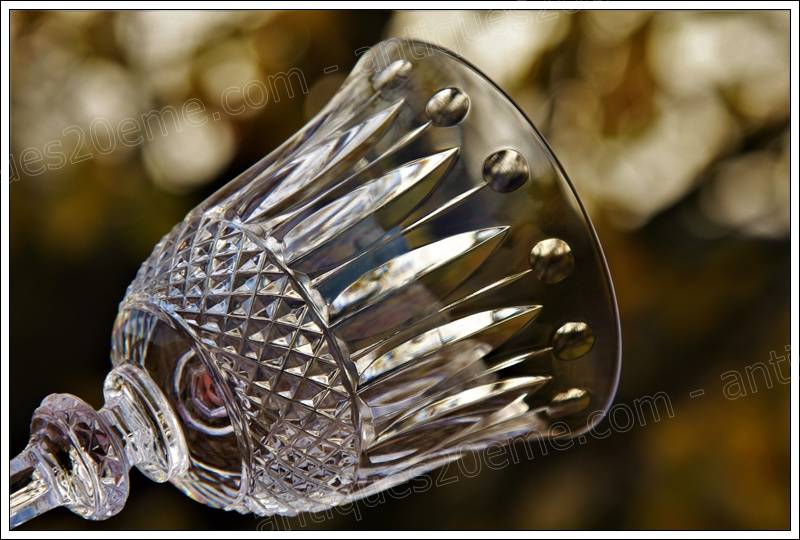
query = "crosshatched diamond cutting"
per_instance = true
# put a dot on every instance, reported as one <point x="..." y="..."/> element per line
<point x="256" y="326"/>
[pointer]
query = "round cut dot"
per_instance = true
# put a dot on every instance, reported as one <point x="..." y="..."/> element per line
<point x="568" y="402"/>
<point x="447" y="107"/>
<point x="552" y="260"/>
<point x="505" y="170"/>
<point x="573" y="340"/>
<point x="392" y="75"/>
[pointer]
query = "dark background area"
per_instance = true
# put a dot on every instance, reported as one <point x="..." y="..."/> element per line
<point x="674" y="127"/>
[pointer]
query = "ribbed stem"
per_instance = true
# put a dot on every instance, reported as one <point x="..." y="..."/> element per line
<point x="79" y="458"/>
<point x="31" y="492"/>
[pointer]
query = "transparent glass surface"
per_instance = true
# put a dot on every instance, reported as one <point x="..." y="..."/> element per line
<point x="408" y="278"/>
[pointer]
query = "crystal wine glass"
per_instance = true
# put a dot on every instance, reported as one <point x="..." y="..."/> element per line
<point x="409" y="278"/>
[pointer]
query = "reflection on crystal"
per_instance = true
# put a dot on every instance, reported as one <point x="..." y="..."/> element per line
<point x="362" y="216"/>
<point x="493" y="396"/>
<point x="393" y="234"/>
<point x="392" y="75"/>
<point x="447" y="107"/>
<point x="410" y="267"/>
<point x="504" y="322"/>
<point x="573" y="340"/>
<point x="505" y="170"/>
<point x="310" y="169"/>
<point x="516" y="360"/>
<point x="552" y="260"/>
<point x="568" y="402"/>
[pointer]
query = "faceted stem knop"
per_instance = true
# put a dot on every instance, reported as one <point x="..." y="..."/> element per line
<point x="79" y="458"/>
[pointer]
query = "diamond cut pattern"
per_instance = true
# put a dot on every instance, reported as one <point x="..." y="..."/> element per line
<point x="92" y="452"/>
<point x="273" y="354"/>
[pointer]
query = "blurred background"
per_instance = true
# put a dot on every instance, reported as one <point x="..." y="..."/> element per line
<point x="674" y="127"/>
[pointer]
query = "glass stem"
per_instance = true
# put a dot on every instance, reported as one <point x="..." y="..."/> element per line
<point x="79" y="458"/>
<point x="31" y="488"/>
